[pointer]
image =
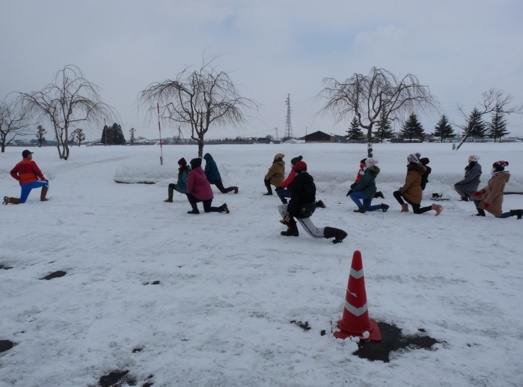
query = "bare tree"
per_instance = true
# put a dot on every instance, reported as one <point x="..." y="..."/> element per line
<point x="375" y="97"/>
<point x="492" y="100"/>
<point x="13" y="122"/>
<point x="199" y="99"/>
<point x="67" y="101"/>
<point x="132" y="131"/>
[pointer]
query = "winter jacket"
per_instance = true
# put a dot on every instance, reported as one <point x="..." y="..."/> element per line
<point x="493" y="193"/>
<point x="367" y="184"/>
<point x="411" y="190"/>
<point x="303" y="192"/>
<point x="470" y="182"/>
<point x="276" y="173"/>
<point x="211" y="169"/>
<point x="289" y="179"/>
<point x="26" y="171"/>
<point x="198" y="185"/>
<point x="183" y="175"/>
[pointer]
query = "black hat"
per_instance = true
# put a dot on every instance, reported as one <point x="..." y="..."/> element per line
<point x="26" y="153"/>
<point x="182" y="161"/>
<point x="296" y="159"/>
<point x="424" y="161"/>
<point x="195" y="163"/>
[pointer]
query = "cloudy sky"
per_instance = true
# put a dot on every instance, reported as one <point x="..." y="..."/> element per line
<point x="270" y="49"/>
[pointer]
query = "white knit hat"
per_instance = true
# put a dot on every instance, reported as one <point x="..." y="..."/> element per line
<point x="370" y="162"/>
<point x="473" y="158"/>
<point x="413" y="158"/>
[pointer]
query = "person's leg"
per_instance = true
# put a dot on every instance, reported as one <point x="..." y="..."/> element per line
<point x="481" y="211"/>
<point x="25" y="191"/>
<point x="357" y="197"/>
<point x="193" y="201"/>
<point x="399" y="197"/>
<point x="170" y="193"/>
<point x="417" y="209"/>
<point x="283" y="194"/>
<point x="222" y="189"/>
<point x="268" y="186"/>
<point x="207" y="207"/>
<point x="282" y="209"/>
<point x="367" y="203"/>
<point x="311" y="229"/>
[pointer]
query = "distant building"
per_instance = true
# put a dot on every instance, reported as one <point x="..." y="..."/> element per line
<point x="318" y="136"/>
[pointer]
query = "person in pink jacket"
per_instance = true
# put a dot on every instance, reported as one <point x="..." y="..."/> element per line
<point x="199" y="190"/>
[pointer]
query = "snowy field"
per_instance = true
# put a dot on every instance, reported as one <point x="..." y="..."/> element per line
<point x="229" y="285"/>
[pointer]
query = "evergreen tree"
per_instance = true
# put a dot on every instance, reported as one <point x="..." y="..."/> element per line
<point x="354" y="133"/>
<point x="475" y="125"/>
<point x="443" y="129"/>
<point x="412" y="129"/>
<point x="40" y="135"/>
<point x="384" y="129"/>
<point x="498" y="126"/>
<point x="112" y="135"/>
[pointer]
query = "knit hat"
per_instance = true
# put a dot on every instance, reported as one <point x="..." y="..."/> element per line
<point x="500" y="165"/>
<point x="370" y="162"/>
<point x="473" y="158"/>
<point x="279" y="156"/>
<point x="413" y="158"/>
<point x="424" y="161"/>
<point x="182" y="161"/>
<point x="296" y="159"/>
<point x="195" y="163"/>
<point x="300" y="166"/>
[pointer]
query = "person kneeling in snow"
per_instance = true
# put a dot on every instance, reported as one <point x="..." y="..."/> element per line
<point x="490" y="198"/>
<point x="302" y="206"/>
<point x="365" y="189"/>
<point x="199" y="190"/>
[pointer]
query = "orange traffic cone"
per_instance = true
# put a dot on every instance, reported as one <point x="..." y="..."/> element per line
<point x="355" y="321"/>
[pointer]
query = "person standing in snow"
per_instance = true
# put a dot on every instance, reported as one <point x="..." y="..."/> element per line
<point x="276" y="173"/>
<point x="213" y="175"/>
<point x="181" y="184"/>
<point x="29" y="176"/>
<point x="470" y="183"/>
<point x="302" y="206"/>
<point x="490" y="198"/>
<point x="411" y="191"/>
<point x="425" y="177"/>
<point x="365" y="189"/>
<point x="199" y="190"/>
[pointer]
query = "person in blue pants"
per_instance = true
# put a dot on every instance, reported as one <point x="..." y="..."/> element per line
<point x="363" y="191"/>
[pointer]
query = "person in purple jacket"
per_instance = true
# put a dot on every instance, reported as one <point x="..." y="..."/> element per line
<point x="199" y="190"/>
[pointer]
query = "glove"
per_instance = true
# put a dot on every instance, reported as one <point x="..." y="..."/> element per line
<point x="353" y="185"/>
<point x="348" y="193"/>
<point x="486" y="206"/>
<point x="476" y="193"/>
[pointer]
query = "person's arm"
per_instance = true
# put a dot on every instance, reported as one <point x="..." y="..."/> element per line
<point x="14" y="173"/>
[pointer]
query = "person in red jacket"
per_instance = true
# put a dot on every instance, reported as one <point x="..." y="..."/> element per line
<point x="29" y="176"/>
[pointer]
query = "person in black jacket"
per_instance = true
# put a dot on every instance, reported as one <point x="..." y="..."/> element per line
<point x="301" y="207"/>
<point x="425" y="177"/>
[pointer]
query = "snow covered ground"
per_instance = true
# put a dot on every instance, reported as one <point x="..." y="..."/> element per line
<point x="229" y="285"/>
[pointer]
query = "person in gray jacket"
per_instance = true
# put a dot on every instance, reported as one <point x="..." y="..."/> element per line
<point x="466" y="187"/>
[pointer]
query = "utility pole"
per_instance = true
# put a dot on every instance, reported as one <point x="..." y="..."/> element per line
<point x="288" y="126"/>
<point x="276" y="129"/>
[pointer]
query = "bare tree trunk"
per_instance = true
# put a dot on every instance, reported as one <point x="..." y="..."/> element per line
<point x="200" y="147"/>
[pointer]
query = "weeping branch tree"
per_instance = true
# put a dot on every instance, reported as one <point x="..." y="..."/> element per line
<point x="13" y="122"/>
<point x="380" y="95"/>
<point x="199" y="99"/>
<point x="492" y="101"/>
<point x="69" y="100"/>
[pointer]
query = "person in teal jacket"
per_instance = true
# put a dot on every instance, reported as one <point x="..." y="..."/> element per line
<point x="364" y="190"/>
<point x="181" y="183"/>
<point x="213" y="175"/>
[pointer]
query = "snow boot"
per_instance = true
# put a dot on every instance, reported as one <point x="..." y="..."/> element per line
<point x="320" y="204"/>
<point x="170" y="193"/>
<point x="43" y="194"/>
<point x="518" y="213"/>
<point x="224" y="208"/>
<point x="361" y="210"/>
<point x="384" y="207"/>
<point x="235" y="189"/>
<point x="292" y="229"/>
<point x="8" y="200"/>
<point x="336" y="233"/>
<point x="404" y="207"/>
<point x="481" y="212"/>
<point x="437" y="208"/>
<point x="379" y="194"/>
<point x="194" y="210"/>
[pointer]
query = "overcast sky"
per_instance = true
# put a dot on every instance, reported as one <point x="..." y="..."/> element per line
<point x="270" y="49"/>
